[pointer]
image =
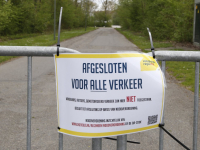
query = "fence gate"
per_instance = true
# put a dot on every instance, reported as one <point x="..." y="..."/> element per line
<point x="162" y="56"/>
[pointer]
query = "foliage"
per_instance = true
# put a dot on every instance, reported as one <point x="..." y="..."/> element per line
<point x="104" y="16"/>
<point x="115" y="19"/>
<point x="100" y="19"/>
<point x="6" y="14"/>
<point x="167" y="19"/>
<point x="37" y="16"/>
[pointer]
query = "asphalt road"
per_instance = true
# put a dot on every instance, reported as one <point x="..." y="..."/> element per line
<point x="13" y="97"/>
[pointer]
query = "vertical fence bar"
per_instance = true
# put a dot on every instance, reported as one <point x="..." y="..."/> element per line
<point x="196" y="104"/>
<point x="29" y="97"/>
<point x="161" y="134"/>
<point x="60" y="141"/>
<point x="97" y="144"/>
<point x="122" y="142"/>
<point x="59" y="26"/>
<point x="58" y="45"/>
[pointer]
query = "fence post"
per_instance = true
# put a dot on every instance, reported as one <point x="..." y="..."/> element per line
<point x="196" y="104"/>
<point x="29" y="97"/>
<point x="97" y="144"/>
<point x="161" y="134"/>
<point x="122" y="142"/>
<point x="60" y="141"/>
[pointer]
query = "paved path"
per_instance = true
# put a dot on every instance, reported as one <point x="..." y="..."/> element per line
<point x="178" y="112"/>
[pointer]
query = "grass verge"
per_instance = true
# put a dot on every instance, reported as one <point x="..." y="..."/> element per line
<point x="184" y="72"/>
<point x="40" y="40"/>
<point x="141" y="41"/>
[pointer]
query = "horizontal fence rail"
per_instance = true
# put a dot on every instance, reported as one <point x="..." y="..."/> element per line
<point x="49" y="51"/>
<point x="32" y="50"/>
<point x="121" y="140"/>
<point x="177" y="55"/>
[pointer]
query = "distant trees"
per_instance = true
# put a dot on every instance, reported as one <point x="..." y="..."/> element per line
<point x="104" y="16"/>
<point x="89" y="7"/>
<point x="99" y="18"/>
<point x="167" y="19"/>
<point x="31" y="16"/>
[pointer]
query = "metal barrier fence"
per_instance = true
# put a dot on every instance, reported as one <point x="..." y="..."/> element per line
<point x="97" y="142"/>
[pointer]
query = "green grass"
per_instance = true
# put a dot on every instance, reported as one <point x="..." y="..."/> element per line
<point x="19" y="36"/>
<point x="143" y="42"/>
<point x="184" y="72"/>
<point x="6" y="58"/>
<point x="39" y="39"/>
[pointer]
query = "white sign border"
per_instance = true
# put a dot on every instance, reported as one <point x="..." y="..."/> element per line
<point x="105" y="55"/>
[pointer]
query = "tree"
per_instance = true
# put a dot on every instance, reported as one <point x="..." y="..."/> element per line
<point x="167" y="19"/>
<point x="31" y="16"/>
<point x="108" y="6"/>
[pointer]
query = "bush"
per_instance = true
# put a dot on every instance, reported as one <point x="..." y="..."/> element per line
<point x="167" y="19"/>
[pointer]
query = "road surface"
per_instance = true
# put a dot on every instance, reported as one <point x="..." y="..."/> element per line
<point x="13" y="97"/>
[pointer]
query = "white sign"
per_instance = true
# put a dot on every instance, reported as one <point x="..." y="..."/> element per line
<point x="101" y="95"/>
